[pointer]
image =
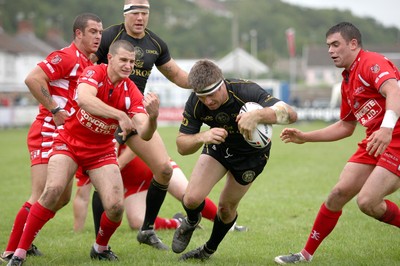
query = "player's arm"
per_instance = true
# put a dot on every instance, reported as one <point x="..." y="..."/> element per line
<point x="87" y="100"/>
<point x="37" y="82"/>
<point x="339" y="130"/>
<point x="190" y="143"/>
<point x="174" y="73"/>
<point x="146" y="124"/>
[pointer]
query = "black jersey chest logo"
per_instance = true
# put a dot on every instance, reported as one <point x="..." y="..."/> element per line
<point x="222" y="118"/>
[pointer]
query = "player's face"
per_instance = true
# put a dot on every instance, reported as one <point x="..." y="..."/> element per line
<point x="122" y="63"/>
<point x="343" y="53"/>
<point x="91" y="37"/>
<point x="136" y="22"/>
<point x="214" y="100"/>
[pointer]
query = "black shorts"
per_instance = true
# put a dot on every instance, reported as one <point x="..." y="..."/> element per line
<point x="244" y="167"/>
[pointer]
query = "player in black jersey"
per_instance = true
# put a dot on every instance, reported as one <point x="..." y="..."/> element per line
<point x="150" y="50"/>
<point x="216" y="102"/>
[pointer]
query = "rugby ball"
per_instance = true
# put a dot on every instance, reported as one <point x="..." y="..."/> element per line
<point x="263" y="133"/>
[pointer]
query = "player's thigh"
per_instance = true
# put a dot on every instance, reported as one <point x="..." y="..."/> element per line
<point x="38" y="180"/>
<point x="152" y="152"/>
<point x="135" y="208"/>
<point x="108" y="183"/>
<point x="203" y="180"/>
<point x="60" y="171"/>
<point x="351" y="180"/>
<point x="379" y="184"/>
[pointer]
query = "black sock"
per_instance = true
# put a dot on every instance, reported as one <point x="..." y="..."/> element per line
<point x="218" y="233"/>
<point x="97" y="209"/>
<point x="193" y="215"/>
<point x="154" y="199"/>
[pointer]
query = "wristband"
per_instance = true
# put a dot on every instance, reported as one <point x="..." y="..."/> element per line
<point x="390" y="119"/>
<point x="56" y="110"/>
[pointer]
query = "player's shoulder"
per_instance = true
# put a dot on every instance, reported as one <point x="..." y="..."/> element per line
<point x="155" y="38"/>
<point x="113" y="30"/>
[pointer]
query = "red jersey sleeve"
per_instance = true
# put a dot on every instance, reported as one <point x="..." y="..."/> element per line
<point x="58" y="64"/>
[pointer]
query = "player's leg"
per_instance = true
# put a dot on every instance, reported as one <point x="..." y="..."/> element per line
<point x="177" y="187"/>
<point x="60" y="171"/>
<point x="228" y="203"/>
<point x="200" y="184"/>
<point x="229" y="200"/>
<point x="135" y="205"/>
<point x="38" y="181"/>
<point x="371" y="199"/>
<point x="108" y="183"/>
<point x="154" y="154"/>
<point x="80" y="206"/>
<point x="351" y="180"/>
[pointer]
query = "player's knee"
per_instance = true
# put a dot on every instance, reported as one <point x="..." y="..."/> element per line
<point x="164" y="174"/>
<point x="115" y="212"/>
<point x="365" y="204"/>
<point x="192" y="202"/>
<point x="226" y="212"/>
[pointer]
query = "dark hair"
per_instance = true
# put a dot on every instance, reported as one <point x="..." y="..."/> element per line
<point x="204" y="73"/>
<point x="348" y="32"/>
<point x="121" y="44"/>
<point x="81" y="21"/>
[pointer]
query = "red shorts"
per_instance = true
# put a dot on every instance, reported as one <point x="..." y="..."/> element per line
<point x="136" y="176"/>
<point x="40" y="139"/>
<point x="389" y="160"/>
<point x="87" y="156"/>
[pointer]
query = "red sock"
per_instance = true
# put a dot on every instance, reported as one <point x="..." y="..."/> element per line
<point x="323" y="225"/>
<point x="210" y="210"/>
<point x="163" y="223"/>
<point x="37" y="218"/>
<point x="18" y="227"/>
<point x="392" y="214"/>
<point x="106" y="230"/>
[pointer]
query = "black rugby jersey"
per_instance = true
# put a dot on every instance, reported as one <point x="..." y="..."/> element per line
<point x="150" y="50"/>
<point x="239" y="91"/>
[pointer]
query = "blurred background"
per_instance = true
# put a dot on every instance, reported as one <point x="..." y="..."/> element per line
<point x="278" y="44"/>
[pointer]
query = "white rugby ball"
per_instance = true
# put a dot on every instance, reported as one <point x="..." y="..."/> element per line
<point x="263" y="133"/>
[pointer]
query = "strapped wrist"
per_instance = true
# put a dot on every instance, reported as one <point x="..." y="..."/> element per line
<point x="390" y="119"/>
<point x="56" y="110"/>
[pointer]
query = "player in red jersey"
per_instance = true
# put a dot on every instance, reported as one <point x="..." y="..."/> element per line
<point x="106" y="99"/>
<point x="371" y="96"/>
<point x="52" y="82"/>
<point x="152" y="51"/>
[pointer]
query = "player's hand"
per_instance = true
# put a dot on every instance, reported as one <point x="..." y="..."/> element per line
<point x="247" y="122"/>
<point x="152" y="104"/>
<point x="215" y="135"/>
<point x="126" y="125"/>
<point x="292" y="135"/>
<point x="60" y="117"/>
<point x="379" y="140"/>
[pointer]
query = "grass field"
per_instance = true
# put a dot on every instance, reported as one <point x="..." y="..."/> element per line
<point x="279" y="210"/>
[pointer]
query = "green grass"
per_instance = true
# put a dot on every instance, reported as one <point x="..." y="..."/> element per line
<point x="279" y="210"/>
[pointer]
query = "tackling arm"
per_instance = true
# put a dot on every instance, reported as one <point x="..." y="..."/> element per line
<point x="175" y="74"/>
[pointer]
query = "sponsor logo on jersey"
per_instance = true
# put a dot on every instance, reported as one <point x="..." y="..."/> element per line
<point x="368" y="111"/>
<point x="95" y="124"/>
<point x="222" y="118"/>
